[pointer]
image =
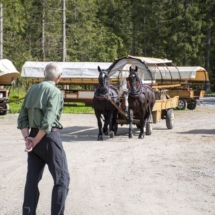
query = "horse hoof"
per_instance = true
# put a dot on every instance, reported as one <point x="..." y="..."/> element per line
<point x="100" y="138"/>
<point x="111" y="134"/>
<point x="141" y="136"/>
<point x="105" y="132"/>
<point x="130" y="135"/>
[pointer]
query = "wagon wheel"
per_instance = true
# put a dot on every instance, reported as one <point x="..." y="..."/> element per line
<point x="170" y="119"/>
<point x="148" y="128"/>
<point x="192" y="105"/>
<point x="5" y="106"/>
<point x="182" y="104"/>
<point x="149" y="125"/>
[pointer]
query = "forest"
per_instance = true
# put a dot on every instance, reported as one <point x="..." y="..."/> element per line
<point x="102" y="30"/>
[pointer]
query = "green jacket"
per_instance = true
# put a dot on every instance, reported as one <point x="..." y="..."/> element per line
<point x="42" y="107"/>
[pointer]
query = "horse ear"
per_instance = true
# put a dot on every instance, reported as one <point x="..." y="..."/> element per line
<point x="136" y="68"/>
<point x="99" y="69"/>
<point x="130" y="68"/>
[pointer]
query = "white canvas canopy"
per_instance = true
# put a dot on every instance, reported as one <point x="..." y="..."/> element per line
<point x="157" y="69"/>
<point x="69" y="69"/>
<point x="173" y="72"/>
<point x="8" y="72"/>
<point x="150" y="69"/>
<point x="141" y="62"/>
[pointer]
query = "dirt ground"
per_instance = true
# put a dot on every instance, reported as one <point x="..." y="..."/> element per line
<point x="171" y="172"/>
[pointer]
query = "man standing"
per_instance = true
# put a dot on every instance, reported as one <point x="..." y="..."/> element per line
<point x="40" y="115"/>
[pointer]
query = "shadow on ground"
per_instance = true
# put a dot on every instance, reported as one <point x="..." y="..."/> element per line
<point x="88" y="133"/>
<point x="199" y="131"/>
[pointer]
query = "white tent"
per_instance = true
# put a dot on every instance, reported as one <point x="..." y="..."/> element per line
<point x="8" y="72"/>
<point x="69" y="69"/>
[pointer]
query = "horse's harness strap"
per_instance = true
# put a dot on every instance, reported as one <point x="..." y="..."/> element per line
<point x="105" y="96"/>
<point x="101" y="98"/>
<point x="138" y="92"/>
<point x="145" y="91"/>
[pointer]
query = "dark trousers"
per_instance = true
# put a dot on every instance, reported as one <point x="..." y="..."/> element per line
<point x="48" y="151"/>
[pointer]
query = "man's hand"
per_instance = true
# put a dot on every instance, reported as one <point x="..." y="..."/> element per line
<point x="29" y="145"/>
<point x="31" y="142"/>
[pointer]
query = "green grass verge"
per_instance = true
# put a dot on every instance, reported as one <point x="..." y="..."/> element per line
<point x="78" y="109"/>
<point x="15" y="106"/>
<point x="210" y="93"/>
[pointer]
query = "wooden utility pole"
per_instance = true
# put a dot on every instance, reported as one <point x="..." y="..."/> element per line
<point x="64" y="30"/>
<point x="43" y="32"/>
<point x="1" y="31"/>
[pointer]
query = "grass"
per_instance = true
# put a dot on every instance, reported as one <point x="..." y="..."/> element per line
<point x="210" y="93"/>
<point x="15" y="105"/>
<point x="80" y="108"/>
<point x="14" y="102"/>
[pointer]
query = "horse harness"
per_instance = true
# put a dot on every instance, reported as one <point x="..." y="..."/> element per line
<point x="143" y="88"/>
<point x="105" y="96"/>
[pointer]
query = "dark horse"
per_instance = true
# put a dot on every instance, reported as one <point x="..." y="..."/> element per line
<point x="103" y="106"/>
<point x="141" y="100"/>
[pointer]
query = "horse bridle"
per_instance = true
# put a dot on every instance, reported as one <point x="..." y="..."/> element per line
<point x="103" y="89"/>
<point x="139" y="89"/>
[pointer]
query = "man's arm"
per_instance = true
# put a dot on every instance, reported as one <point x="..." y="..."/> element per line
<point x="23" y="121"/>
<point x="23" y="125"/>
<point x="25" y="132"/>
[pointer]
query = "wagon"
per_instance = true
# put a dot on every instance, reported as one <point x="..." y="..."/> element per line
<point x="189" y="83"/>
<point x="164" y="105"/>
<point x="85" y="74"/>
<point x="8" y="76"/>
<point x="188" y="97"/>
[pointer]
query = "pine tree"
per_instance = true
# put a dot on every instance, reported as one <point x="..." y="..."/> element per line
<point x="185" y="36"/>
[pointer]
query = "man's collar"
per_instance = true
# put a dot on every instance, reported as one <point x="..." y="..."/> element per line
<point x="51" y="82"/>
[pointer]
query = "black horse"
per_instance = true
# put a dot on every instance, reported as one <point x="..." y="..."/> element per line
<point x="141" y="100"/>
<point x="103" y="106"/>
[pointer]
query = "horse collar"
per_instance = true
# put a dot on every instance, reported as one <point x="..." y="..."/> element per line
<point x="138" y="92"/>
<point x="101" y="96"/>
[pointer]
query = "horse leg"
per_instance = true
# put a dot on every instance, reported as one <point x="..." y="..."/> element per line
<point x="130" y="121"/>
<point x="106" y="123"/>
<point x="113" y="123"/>
<point x="98" y="116"/>
<point x="142" y="124"/>
<point x="115" y="113"/>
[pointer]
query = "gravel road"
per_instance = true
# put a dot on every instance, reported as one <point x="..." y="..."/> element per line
<point x="171" y="172"/>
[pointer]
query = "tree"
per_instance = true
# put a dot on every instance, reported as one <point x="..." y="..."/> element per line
<point x="185" y="35"/>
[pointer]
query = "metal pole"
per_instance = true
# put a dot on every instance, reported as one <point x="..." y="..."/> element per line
<point x="64" y="30"/>
<point x="1" y="31"/>
<point x="43" y="32"/>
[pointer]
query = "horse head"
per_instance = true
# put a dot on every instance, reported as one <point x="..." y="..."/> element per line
<point x="103" y="80"/>
<point x="134" y="80"/>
